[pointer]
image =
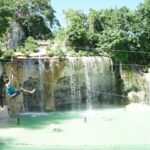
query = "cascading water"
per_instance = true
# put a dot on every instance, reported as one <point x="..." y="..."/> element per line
<point x="78" y="83"/>
<point x="26" y="75"/>
<point x="51" y="65"/>
<point x="41" y="76"/>
<point x="120" y="68"/>
<point x="95" y="69"/>
<point x="75" y="94"/>
<point x="41" y="86"/>
<point x="89" y="78"/>
<point x="89" y="90"/>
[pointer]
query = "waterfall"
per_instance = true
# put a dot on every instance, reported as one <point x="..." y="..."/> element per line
<point x="39" y="74"/>
<point x="120" y="68"/>
<point x="41" y="84"/>
<point x="95" y="68"/>
<point x="88" y="84"/>
<point x="89" y="78"/>
<point x="75" y="83"/>
<point x="75" y="94"/>
<point x="51" y="65"/>
<point x="26" y="75"/>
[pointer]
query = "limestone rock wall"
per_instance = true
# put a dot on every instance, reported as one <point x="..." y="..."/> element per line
<point x="136" y="84"/>
<point x="84" y="83"/>
<point x="4" y="112"/>
<point x="32" y="74"/>
<point x="72" y="83"/>
<point x="15" y="36"/>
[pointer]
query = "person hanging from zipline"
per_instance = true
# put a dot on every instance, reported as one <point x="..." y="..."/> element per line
<point x="10" y="89"/>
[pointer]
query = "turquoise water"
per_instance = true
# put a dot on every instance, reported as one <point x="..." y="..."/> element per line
<point x="105" y="129"/>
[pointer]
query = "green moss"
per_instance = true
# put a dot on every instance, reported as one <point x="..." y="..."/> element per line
<point x="50" y="52"/>
<point x="30" y="46"/>
<point x="7" y="55"/>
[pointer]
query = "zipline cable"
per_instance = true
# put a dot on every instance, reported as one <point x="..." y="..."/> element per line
<point x="115" y="64"/>
<point x="124" y="51"/>
<point x="89" y="48"/>
<point x="102" y="92"/>
<point x="61" y="85"/>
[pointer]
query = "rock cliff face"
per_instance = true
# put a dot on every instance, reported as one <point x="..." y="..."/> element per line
<point x="4" y="112"/>
<point x="34" y="74"/>
<point x="84" y="83"/>
<point x="136" y="84"/>
<point x="14" y="37"/>
<point x="72" y="83"/>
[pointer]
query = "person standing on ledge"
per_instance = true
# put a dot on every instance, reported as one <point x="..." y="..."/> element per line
<point x="11" y="91"/>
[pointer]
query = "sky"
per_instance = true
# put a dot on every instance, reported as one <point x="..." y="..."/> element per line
<point x="85" y="5"/>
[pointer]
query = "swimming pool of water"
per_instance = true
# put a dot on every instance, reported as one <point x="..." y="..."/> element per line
<point x="103" y="129"/>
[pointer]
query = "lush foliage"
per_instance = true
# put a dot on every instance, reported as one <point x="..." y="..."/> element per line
<point x="76" y="31"/>
<point x="55" y="50"/>
<point x="37" y="17"/>
<point x="7" y="55"/>
<point x="6" y="13"/>
<point x="28" y="47"/>
<point x="121" y="33"/>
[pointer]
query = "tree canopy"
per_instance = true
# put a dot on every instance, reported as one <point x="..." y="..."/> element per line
<point x="35" y="16"/>
<point x="122" y="33"/>
<point x="6" y="13"/>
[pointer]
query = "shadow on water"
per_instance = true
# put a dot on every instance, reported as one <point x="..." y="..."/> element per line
<point x="38" y="120"/>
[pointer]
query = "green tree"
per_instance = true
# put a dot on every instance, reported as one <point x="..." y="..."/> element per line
<point x="96" y="24"/>
<point x="37" y="28"/>
<point x="36" y="17"/>
<point x="98" y="20"/>
<point x="28" y="47"/>
<point x="120" y="34"/>
<point x="143" y="13"/>
<point x="6" y="13"/>
<point x="76" y="29"/>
